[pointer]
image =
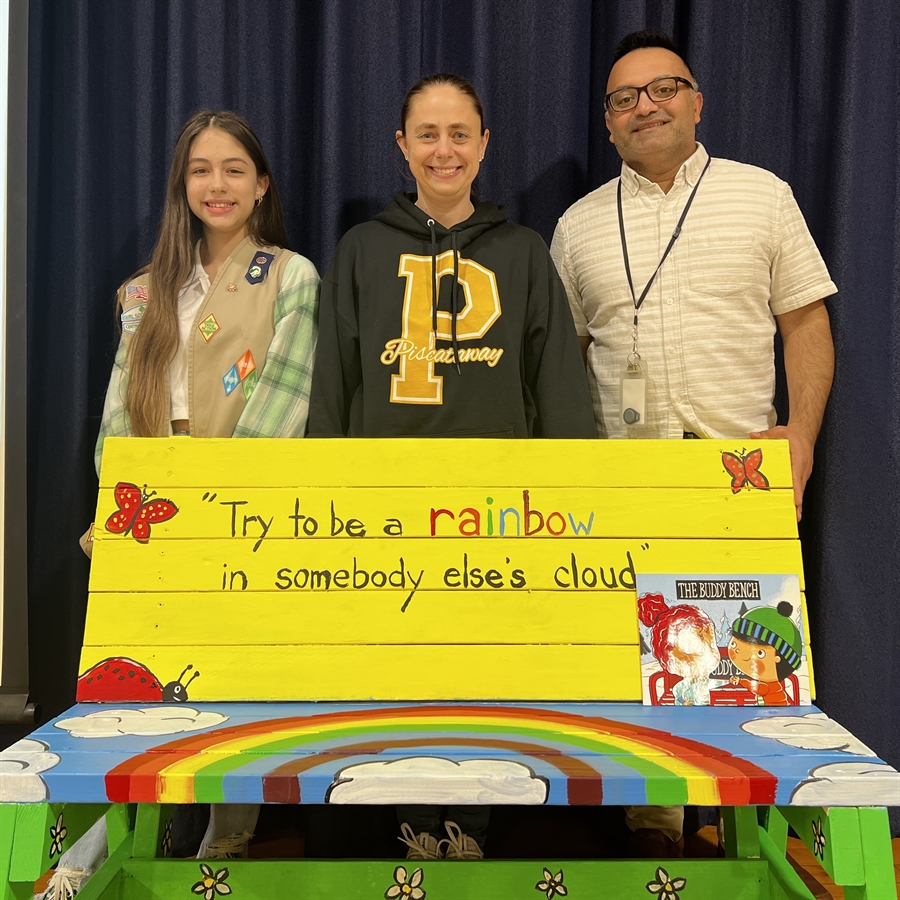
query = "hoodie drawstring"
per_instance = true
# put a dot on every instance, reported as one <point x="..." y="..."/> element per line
<point x="454" y="296"/>
<point x="454" y="293"/>
<point x="434" y="290"/>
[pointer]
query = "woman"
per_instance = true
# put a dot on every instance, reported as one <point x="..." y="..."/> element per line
<point x="440" y="318"/>
<point x="219" y="331"/>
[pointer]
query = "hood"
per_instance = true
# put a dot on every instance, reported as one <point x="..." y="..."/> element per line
<point x="403" y="214"/>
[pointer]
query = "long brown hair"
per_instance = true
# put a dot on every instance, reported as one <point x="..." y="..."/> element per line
<point x="156" y="340"/>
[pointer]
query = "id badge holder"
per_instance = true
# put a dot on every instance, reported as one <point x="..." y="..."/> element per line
<point x="633" y="406"/>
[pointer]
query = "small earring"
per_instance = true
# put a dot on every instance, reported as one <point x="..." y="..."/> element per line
<point x="481" y="160"/>
<point x="258" y="200"/>
<point x="406" y="158"/>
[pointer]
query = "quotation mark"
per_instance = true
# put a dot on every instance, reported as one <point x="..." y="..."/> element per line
<point x="209" y="497"/>
<point x="645" y="546"/>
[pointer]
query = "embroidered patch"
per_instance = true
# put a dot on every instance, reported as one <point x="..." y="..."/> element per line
<point x="134" y="293"/>
<point x="259" y="268"/>
<point x="231" y="380"/>
<point x="131" y="318"/>
<point x="245" y="365"/>
<point x="208" y="327"/>
<point x="249" y="384"/>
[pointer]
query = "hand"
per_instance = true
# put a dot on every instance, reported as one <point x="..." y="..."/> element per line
<point x="86" y="541"/>
<point x="801" y="456"/>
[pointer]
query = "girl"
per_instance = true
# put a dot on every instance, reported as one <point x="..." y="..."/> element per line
<point x="440" y="318"/>
<point x="219" y="331"/>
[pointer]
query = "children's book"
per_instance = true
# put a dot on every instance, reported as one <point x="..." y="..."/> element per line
<point x="722" y="640"/>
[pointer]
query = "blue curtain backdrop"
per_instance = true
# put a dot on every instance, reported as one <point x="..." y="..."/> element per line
<point x="808" y="89"/>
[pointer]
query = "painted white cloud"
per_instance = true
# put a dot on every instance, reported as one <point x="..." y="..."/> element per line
<point x="814" y="731"/>
<point x="149" y="721"/>
<point x="851" y="783"/>
<point x="427" y="779"/>
<point x="19" y="768"/>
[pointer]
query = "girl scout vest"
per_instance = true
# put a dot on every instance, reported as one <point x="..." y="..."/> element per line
<point x="230" y="336"/>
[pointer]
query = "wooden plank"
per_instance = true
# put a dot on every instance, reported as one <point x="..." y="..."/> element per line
<point x="880" y="878"/>
<point x="433" y="462"/>
<point x="683" y="512"/>
<point x="126" y="566"/>
<point x="832" y="835"/>
<point x="781" y="871"/>
<point x="36" y="848"/>
<point x="741" y="832"/>
<point x="499" y="880"/>
<point x="8" y="889"/>
<point x="433" y="617"/>
<point x="383" y="672"/>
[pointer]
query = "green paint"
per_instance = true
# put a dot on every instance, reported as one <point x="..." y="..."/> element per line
<point x="10" y="891"/>
<point x="841" y="857"/>
<point x="788" y="884"/>
<point x="775" y="825"/>
<point x="500" y="880"/>
<point x="119" y="824"/>
<point x="31" y="842"/>
<point x="878" y="861"/>
<point x="741" y="832"/>
<point x="147" y="831"/>
<point x="662" y="787"/>
<point x="108" y="873"/>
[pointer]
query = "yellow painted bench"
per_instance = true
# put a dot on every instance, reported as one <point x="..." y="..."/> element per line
<point x="402" y="621"/>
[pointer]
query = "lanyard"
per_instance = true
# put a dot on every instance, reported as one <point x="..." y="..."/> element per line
<point x="639" y="301"/>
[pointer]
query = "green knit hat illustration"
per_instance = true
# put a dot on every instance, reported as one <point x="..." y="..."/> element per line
<point x="773" y="627"/>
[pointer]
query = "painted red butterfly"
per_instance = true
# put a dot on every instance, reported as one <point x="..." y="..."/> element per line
<point x="137" y="512"/>
<point x="744" y="469"/>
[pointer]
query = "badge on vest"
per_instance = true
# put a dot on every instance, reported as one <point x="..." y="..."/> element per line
<point x="208" y="327"/>
<point x="259" y="268"/>
<point x="243" y="372"/>
<point x="131" y="318"/>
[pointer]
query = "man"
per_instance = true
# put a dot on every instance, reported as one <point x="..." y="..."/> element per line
<point x="744" y="263"/>
<point x="678" y="332"/>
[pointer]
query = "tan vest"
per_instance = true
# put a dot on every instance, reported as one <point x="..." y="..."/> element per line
<point x="229" y="339"/>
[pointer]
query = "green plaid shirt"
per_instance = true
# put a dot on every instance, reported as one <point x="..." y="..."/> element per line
<point x="279" y="404"/>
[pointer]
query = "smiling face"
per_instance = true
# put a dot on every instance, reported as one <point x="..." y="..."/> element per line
<point x="444" y="144"/>
<point x="653" y="137"/>
<point x="759" y="661"/>
<point x="221" y="183"/>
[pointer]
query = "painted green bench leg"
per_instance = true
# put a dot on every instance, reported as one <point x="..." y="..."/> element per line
<point x="110" y="871"/>
<point x="10" y="890"/>
<point x="741" y="832"/>
<point x="153" y="832"/>
<point x="832" y="836"/>
<point x="775" y="825"/>
<point x="784" y="882"/>
<point x="44" y="831"/>
<point x="878" y="863"/>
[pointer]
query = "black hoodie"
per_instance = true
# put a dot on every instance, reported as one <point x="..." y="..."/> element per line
<point x="496" y="356"/>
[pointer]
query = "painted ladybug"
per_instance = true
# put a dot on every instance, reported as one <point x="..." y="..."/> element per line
<point x="122" y="680"/>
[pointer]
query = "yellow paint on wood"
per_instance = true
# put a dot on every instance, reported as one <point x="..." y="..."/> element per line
<point x="413" y="564"/>
<point x="433" y="617"/>
<point x="809" y="657"/>
<point x="354" y="514"/>
<point x="219" y="464"/>
<point x="381" y="672"/>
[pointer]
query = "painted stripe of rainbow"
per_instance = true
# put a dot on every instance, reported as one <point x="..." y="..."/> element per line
<point x="674" y="769"/>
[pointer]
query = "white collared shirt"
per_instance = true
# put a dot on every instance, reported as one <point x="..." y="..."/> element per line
<point x="706" y="327"/>
<point x="190" y="297"/>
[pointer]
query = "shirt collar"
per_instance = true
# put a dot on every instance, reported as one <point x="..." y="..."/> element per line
<point x="197" y="276"/>
<point x="689" y="172"/>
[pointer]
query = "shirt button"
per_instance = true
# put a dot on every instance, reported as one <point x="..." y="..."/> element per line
<point x="670" y="301"/>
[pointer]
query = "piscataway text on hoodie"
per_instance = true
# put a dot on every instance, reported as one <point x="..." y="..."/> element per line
<point x="460" y="332"/>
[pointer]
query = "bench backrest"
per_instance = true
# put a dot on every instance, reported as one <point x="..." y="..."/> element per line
<point x="407" y="569"/>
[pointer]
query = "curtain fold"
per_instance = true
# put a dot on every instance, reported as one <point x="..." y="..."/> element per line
<point x="807" y="89"/>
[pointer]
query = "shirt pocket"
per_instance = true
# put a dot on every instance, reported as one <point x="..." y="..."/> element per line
<point x="720" y="266"/>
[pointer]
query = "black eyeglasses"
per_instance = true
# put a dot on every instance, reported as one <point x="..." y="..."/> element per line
<point x="660" y="90"/>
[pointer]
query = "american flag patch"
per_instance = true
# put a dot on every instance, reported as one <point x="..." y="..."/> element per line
<point x="135" y="292"/>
